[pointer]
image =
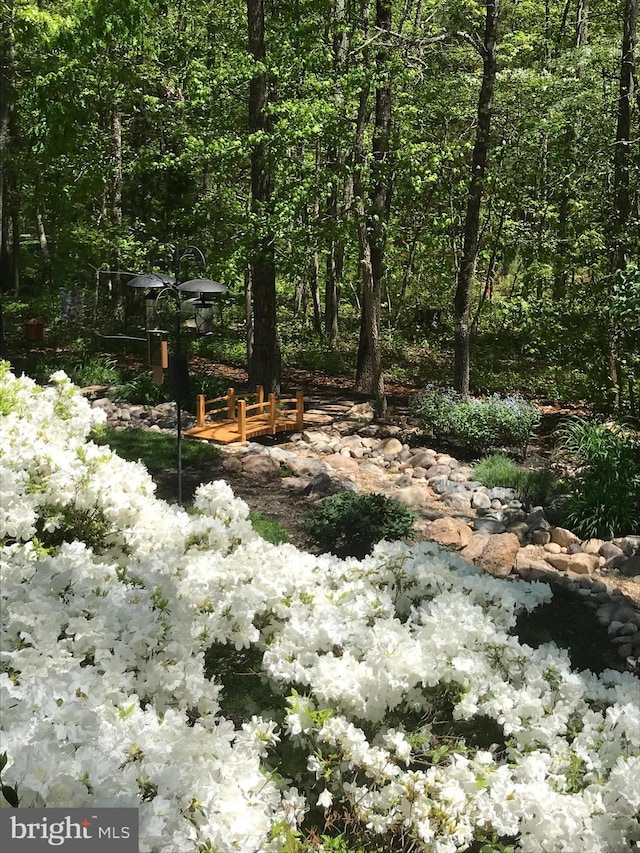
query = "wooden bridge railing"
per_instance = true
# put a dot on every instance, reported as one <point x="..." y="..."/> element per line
<point x="261" y="417"/>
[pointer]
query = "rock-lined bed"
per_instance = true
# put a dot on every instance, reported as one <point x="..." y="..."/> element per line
<point x="343" y="449"/>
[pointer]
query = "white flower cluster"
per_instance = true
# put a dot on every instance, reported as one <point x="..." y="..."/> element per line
<point x="105" y="697"/>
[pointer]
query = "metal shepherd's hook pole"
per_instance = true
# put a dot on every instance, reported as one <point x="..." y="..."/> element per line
<point x="177" y="366"/>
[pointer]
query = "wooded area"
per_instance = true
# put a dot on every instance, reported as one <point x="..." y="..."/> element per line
<point x="355" y="169"/>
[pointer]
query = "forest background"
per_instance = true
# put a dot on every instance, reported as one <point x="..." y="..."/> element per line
<point x="427" y="190"/>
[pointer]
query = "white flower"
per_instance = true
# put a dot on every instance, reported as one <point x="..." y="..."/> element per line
<point x="325" y="799"/>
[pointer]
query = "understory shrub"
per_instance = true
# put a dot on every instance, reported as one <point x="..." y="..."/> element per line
<point x="478" y="423"/>
<point x="534" y="486"/>
<point x="349" y="524"/>
<point x="603" y="497"/>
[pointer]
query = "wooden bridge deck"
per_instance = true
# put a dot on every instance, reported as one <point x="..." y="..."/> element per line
<point x="228" y="419"/>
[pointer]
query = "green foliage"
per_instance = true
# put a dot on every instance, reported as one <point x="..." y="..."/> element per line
<point x="69" y="524"/>
<point x="478" y="423"/>
<point x="82" y="370"/>
<point x="268" y="528"/>
<point x="533" y="486"/>
<point x="349" y="524"/>
<point x="155" y="450"/>
<point x="9" y="793"/>
<point x="141" y="389"/>
<point x="604" y="494"/>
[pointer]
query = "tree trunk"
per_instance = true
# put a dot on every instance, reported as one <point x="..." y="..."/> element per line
<point x="248" y="308"/>
<point x="264" y="365"/>
<point x="582" y="23"/>
<point x="9" y="204"/>
<point x="622" y="201"/>
<point x="471" y="226"/>
<point x="369" y="376"/>
<point x="335" y="159"/>
<point x="622" y="152"/>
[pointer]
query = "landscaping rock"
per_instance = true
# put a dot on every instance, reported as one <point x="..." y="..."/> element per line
<point x="631" y="566"/>
<point x="449" y="532"/>
<point x="540" y="537"/>
<point x="412" y="496"/>
<point x="480" y="501"/>
<point x="583" y="564"/>
<point x="486" y="524"/>
<point x="438" y="470"/>
<point x="342" y="463"/>
<point x="472" y="552"/>
<point x="609" y="550"/>
<point x="458" y="500"/>
<point x="323" y="485"/>
<point x="499" y="554"/>
<point x="259" y="464"/>
<point x="391" y="447"/>
<point x="563" y="537"/>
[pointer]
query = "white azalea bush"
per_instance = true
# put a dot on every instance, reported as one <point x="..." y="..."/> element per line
<point x="394" y="702"/>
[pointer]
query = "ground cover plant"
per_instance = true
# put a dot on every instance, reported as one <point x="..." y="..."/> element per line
<point x="394" y="708"/>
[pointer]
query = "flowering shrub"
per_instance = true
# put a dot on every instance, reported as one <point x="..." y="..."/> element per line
<point x="478" y="423"/>
<point x="105" y="699"/>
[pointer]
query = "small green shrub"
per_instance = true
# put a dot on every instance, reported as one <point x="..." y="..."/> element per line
<point x="478" y="423"/>
<point x="349" y="524"/>
<point x="604" y="495"/>
<point x="533" y="486"/>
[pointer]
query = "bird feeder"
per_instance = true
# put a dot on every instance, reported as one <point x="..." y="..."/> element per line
<point x="158" y="348"/>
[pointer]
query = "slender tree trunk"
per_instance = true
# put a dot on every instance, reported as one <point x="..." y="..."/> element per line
<point x="369" y="377"/>
<point x="335" y="159"/>
<point x="582" y="23"/>
<point x="116" y="176"/>
<point x="264" y="365"/>
<point x="248" y="306"/>
<point x="9" y="224"/>
<point x="472" y="219"/>
<point x="622" y="162"/>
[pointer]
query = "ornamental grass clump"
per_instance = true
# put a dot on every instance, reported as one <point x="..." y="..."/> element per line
<point x="603" y="496"/>
<point x="350" y="524"/>
<point x="478" y="423"/>
<point x="533" y="486"/>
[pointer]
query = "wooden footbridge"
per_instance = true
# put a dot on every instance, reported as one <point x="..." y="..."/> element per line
<point x="231" y="418"/>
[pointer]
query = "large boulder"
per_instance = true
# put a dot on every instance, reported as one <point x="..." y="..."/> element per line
<point x="472" y="552"/>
